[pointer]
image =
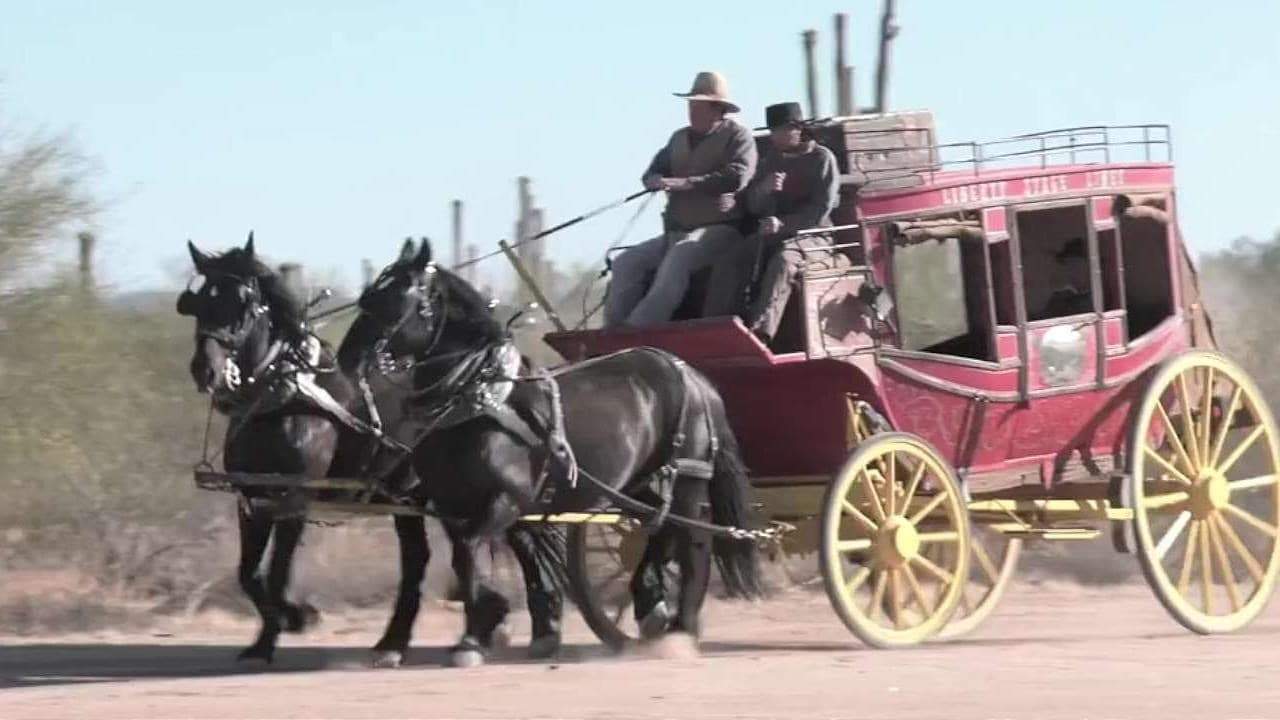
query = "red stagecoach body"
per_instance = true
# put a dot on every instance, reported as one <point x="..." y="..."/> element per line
<point x="1011" y="396"/>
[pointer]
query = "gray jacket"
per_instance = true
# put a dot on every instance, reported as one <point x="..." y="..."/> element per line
<point x="722" y="161"/>
<point x="809" y="193"/>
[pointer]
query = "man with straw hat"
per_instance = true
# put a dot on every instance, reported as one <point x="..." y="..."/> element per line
<point x="702" y="168"/>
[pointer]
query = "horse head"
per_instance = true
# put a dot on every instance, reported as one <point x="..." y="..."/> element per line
<point x="240" y="310"/>
<point x="421" y="310"/>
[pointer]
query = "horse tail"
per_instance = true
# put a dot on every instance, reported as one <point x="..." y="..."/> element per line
<point x="730" y="496"/>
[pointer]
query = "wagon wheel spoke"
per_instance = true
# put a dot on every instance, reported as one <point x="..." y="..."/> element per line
<point x="1188" y="559"/>
<point x="1176" y="441"/>
<point x="895" y="598"/>
<point x="916" y="591"/>
<point x="850" y="546"/>
<point x="1206" y="577"/>
<point x="1251" y="520"/>
<point x="858" y="580"/>
<point x="1188" y="423"/>
<point x="916" y="476"/>
<point x="1227" y="418"/>
<point x="1176" y="474"/>
<point x="870" y="486"/>
<point x="852" y="511"/>
<point x="929" y="507"/>
<point x="877" y="593"/>
<point x="1250" y="562"/>
<point x="1253" y="482"/>
<point x="1169" y="502"/>
<point x="891" y="483"/>
<point x="1240" y="449"/>
<point x="1206" y="415"/>
<point x="942" y="536"/>
<point x="1174" y="532"/>
<point x="984" y="561"/>
<point x="1228" y="577"/>
<point x="945" y="577"/>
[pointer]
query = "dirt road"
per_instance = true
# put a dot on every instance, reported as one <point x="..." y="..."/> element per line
<point x="1055" y="650"/>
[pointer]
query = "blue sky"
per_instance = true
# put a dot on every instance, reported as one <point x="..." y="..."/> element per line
<point x="336" y="129"/>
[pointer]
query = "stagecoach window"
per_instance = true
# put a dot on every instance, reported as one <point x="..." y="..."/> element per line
<point x="1056" y="269"/>
<point x="1148" y="283"/>
<point x="942" y="297"/>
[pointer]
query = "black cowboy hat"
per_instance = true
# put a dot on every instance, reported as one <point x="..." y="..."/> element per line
<point x="1073" y="248"/>
<point x="788" y="113"/>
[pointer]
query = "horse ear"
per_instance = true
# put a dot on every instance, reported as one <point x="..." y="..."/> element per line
<point x="424" y="255"/>
<point x="248" y="246"/>
<point x="198" y="258"/>
<point x="407" y="250"/>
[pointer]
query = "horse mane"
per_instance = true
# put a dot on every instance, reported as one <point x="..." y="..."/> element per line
<point x="286" y="311"/>
<point x="473" y="306"/>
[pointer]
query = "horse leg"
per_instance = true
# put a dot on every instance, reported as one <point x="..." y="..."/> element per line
<point x="255" y="532"/>
<point x="411" y="531"/>
<point x="693" y="554"/>
<point x="287" y="534"/>
<point x="484" y="609"/>
<point x="648" y="587"/>
<point x="546" y="604"/>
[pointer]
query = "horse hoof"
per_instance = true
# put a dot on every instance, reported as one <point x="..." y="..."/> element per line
<point x="255" y="657"/>
<point x="654" y="625"/>
<point x="387" y="659"/>
<point x="547" y="646"/>
<point x="673" y="646"/>
<point x="466" y="658"/>
<point x="297" y="618"/>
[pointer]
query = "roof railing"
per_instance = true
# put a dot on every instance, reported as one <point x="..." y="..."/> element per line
<point x="909" y="154"/>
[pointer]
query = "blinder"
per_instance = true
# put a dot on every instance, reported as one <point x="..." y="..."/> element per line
<point x="189" y="303"/>
<point x="198" y="302"/>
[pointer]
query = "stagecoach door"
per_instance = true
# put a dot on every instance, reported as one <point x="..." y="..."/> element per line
<point x="1058" y="298"/>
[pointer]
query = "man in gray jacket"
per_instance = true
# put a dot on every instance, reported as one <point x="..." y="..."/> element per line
<point x="702" y="168"/>
<point x="795" y="188"/>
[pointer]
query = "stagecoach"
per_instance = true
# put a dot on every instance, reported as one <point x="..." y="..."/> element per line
<point x="1012" y="348"/>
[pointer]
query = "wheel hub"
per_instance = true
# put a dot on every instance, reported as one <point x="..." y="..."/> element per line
<point x="1210" y="493"/>
<point x="898" y="542"/>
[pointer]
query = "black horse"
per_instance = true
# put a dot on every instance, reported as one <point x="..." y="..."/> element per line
<point x="636" y="423"/>
<point x="251" y="347"/>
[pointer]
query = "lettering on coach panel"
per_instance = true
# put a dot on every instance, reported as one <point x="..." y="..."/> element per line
<point x="1032" y="187"/>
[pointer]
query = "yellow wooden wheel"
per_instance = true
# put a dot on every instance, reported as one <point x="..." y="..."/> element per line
<point x="1203" y="471"/>
<point x="892" y="500"/>
<point x="993" y="560"/>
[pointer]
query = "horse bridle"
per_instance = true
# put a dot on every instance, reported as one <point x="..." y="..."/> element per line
<point x="430" y="293"/>
<point x="427" y="292"/>
<point x="232" y="339"/>
<point x="190" y="303"/>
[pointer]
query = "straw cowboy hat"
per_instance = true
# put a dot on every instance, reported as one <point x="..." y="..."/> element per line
<point x="710" y="85"/>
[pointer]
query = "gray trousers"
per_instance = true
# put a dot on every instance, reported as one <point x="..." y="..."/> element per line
<point x="781" y="268"/>
<point x="673" y="258"/>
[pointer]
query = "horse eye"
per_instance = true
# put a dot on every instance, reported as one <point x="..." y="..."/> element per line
<point x="213" y="291"/>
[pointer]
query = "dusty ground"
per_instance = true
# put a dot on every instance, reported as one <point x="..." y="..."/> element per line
<point x="1056" y="650"/>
